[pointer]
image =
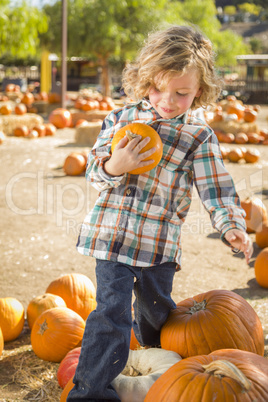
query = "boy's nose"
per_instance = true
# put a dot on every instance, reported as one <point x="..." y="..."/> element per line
<point x="168" y="97"/>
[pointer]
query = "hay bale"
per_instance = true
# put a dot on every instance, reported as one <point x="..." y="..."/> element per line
<point x="10" y="122"/>
<point x="89" y="116"/>
<point x="234" y="126"/>
<point x="88" y="133"/>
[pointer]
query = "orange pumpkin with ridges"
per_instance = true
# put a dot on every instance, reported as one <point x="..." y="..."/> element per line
<point x="78" y="292"/>
<point x="135" y="129"/>
<point x="261" y="268"/>
<point x="262" y="236"/>
<point x="68" y="366"/>
<point x="11" y="318"/>
<point x="61" y="118"/>
<point x="213" y="320"/>
<point x="256" y="214"/>
<point x="55" y="332"/>
<point x="67" y="389"/>
<point x="41" y="303"/>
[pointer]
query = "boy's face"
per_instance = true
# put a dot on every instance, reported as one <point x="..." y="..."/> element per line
<point x="177" y="96"/>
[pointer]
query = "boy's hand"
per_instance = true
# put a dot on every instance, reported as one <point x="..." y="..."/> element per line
<point x="241" y="241"/>
<point x="127" y="156"/>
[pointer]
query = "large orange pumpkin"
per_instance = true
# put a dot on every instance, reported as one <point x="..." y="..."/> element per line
<point x="262" y="236"/>
<point x="74" y="164"/>
<point x="61" y="118"/>
<point x="209" y="378"/>
<point x="134" y="129"/>
<point x="78" y="292"/>
<point x="261" y="268"/>
<point x="55" y="332"/>
<point x="256" y="214"/>
<point x="68" y="366"/>
<point x="11" y="318"/>
<point x="67" y="389"/>
<point x="40" y="304"/>
<point x="213" y="320"/>
<point x="1" y="342"/>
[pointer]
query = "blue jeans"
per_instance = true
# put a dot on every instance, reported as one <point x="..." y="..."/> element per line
<point x="105" y="345"/>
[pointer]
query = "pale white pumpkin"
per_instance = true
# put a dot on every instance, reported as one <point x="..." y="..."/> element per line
<point x="143" y="368"/>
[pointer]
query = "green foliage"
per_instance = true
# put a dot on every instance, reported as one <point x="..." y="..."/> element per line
<point x="250" y="8"/>
<point x="230" y="10"/>
<point x="20" y="26"/>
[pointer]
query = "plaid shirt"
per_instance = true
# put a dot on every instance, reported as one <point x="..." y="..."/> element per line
<point x="137" y="218"/>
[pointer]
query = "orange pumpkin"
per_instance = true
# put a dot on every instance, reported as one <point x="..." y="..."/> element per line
<point x="53" y="97"/>
<point x="11" y="318"/>
<point x="67" y="389"/>
<point x="1" y="342"/>
<point x="252" y="155"/>
<point x="256" y="214"/>
<point x="228" y="138"/>
<point x="213" y="320"/>
<point x="250" y="115"/>
<point x="21" y="131"/>
<point x="241" y="138"/>
<point x="68" y="366"/>
<point x="261" y="268"/>
<point x="135" y="129"/>
<point x="61" y="118"/>
<point x="235" y="155"/>
<point x="55" y="332"/>
<point x="235" y="108"/>
<point x="262" y="236"/>
<point x="209" y="378"/>
<point x="253" y="138"/>
<point x="28" y="99"/>
<point x="6" y="109"/>
<point x="74" y="164"/>
<point x="78" y="292"/>
<point x="20" y="109"/>
<point x="134" y="343"/>
<point x="41" y="129"/>
<point x="2" y="137"/>
<point x="50" y="129"/>
<point x="40" y="304"/>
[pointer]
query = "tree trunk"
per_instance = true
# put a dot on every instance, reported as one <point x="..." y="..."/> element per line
<point x="105" y="81"/>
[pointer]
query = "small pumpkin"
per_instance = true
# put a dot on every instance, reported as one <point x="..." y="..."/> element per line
<point x="250" y="115"/>
<point x="41" y="129"/>
<point x="28" y="99"/>
<point x="235" y="108"/>
<point x="55" y="332"/>
<point x="21" y="131"/>
<point x="6" y="109"/>
<point x="254" y="138"/>
<point x="1" y="342"/>
<point x="20" y="109"/>
<point x="60" y="118"/>
<point x="252" y="155"/>
<point x="261" y="268"/>
<point x="208" y="378"/>
<point x="143" y="368"/>
<point x="78" y="292"/>
<point x="42" y="303"/>
<point x="241" y="138"/>
<point x="213" y="320"/>
<point x="262" y="236"/>
<point x="68" y="366"/>
<point x="66" y="390"/>
<point x="133" y="130"/>
<point x="11" y="318"/>
<point x="50" y="129"/>
<point x="235" y="155"/>
<point x="256" y="213"/>
<point x="74" y="164"/>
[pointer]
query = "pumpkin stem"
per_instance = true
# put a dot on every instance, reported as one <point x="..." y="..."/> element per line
<point x="131" y="135"/>
<point x="43" y="328"/>
<point x="224" y="368"/>
<point x="197" y="307"/>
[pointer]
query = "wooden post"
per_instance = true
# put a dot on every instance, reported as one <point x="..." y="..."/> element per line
<point x="63" y="53"/>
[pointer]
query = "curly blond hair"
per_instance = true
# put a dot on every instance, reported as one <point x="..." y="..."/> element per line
<point x="171" y="51"/>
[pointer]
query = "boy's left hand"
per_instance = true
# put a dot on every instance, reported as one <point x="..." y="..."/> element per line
<point x="241" y="241"/>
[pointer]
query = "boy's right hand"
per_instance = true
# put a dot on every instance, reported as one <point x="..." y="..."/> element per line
<point x="127" y="156"/>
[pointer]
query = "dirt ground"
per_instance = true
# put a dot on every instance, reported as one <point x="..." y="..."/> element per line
<point x="41" y="212"/>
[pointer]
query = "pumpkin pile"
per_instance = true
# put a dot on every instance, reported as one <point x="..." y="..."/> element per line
<point x="235" y="122"/>
<point x="88" y="100"/>
<point x="240" y="154"/>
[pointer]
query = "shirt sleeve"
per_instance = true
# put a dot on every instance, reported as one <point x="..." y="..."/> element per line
<point x="216" y="188"/>
<point x="99" y="154"/>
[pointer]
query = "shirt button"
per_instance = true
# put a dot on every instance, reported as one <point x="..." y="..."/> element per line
<point x="128" y="191"/>
<point x="119" y="228"/>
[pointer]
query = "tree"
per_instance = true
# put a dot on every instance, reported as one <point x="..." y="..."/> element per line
<point x="117" y="28"/>
<point x="20" y="26"/>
